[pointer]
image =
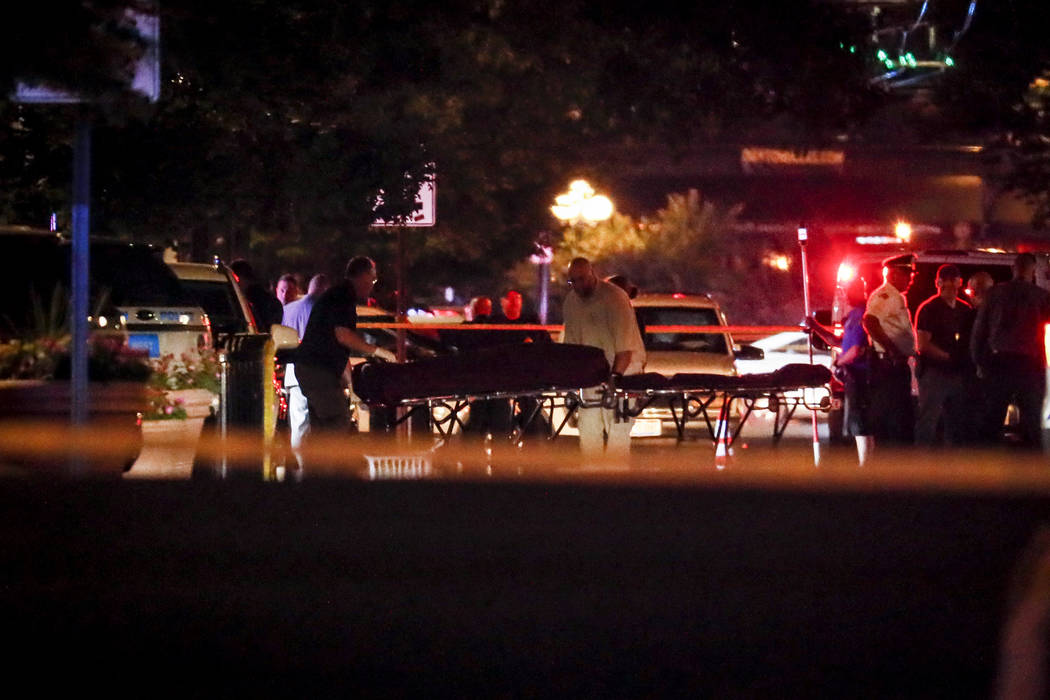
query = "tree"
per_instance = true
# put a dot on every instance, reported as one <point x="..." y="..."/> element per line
<point x="688" y="246"/>
<point x="281" y="122"/>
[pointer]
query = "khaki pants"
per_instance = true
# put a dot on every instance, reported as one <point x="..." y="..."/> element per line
<point x="602" y="439"/>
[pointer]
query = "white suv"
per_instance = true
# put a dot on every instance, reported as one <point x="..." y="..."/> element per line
<point x="213" y="287"/>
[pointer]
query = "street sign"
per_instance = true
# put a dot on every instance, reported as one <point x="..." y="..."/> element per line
<point x="425" y="213"/>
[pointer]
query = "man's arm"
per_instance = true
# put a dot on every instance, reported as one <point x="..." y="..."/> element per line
<point x="621" y="361"/>
<point x="626" y="334"/>
<point x="874" y="329"/>
<point x="930" y="349"/>
<point x="822" y="332"/>
<point x="351" y="340"/>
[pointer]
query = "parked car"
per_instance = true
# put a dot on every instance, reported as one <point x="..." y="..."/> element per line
<point x="671" y="353"/>
<point x="213" y="287"/>
<point x="129" y="286"/>
<point x="132" y="295"/>
<point x="779" y="349"/>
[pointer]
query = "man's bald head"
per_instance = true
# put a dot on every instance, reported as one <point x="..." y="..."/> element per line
<point x="581" y="277"/>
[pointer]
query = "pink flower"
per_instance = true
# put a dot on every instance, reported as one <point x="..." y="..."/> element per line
<point x="168" y="410"/>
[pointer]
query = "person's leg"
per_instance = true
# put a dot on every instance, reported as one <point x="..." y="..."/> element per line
<point x="902" y="414"/>
<point x="325" y="399"/>
<point x="940" y="409"/>
<point x="298" y="420"/>
<point x="997" y="388"/>
<point x="858" y="423"/>
<point x="618" y="444"/>
<point x="1029" y="389"/>
<point x="881" y="401"/>
<point x="592" y="432"/>
<point x="931" y="407"/>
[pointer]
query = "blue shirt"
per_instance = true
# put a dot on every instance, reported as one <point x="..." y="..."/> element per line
<point x="853" y="334"/>
<point x="297" y="313"/>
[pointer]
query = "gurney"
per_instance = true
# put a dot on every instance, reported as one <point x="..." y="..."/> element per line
<point x="542" y="377"/>
<point x="691" y="396"/>
<point x="543" y="372"/>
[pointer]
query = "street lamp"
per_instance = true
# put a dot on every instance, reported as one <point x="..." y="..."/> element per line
<point x="580" y="205"/>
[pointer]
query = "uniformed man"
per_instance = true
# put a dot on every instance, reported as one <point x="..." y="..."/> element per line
<point x="598" y="313"/>
<point x="888" y="324"/>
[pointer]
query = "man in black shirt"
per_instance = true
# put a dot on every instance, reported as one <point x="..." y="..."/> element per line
<point x="1009" y="348"/>
<point x="330" y="337"/>
<point x="942" y="329"/>
<point x="266" y="309"/>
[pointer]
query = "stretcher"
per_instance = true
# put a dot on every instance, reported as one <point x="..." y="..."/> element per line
<point x="540" y="378"/>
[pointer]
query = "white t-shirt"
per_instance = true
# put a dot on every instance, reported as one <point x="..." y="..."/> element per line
<point x="888" y="305"/>
<point x="604" y="320"/>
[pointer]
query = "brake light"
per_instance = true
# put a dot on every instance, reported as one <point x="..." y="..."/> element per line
<point x="678" y="295"/>
<point x="846" y="273"/>
<point x="1046" y="341"/>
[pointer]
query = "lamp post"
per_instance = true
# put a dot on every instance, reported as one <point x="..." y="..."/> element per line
<point x="580" y="205"/>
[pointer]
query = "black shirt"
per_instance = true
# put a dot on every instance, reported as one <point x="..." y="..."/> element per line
<point x="949" y="329"/>
<point x="337" y="308"/>
<point x="1011" y="321"/>
<point x="266" y="308"/>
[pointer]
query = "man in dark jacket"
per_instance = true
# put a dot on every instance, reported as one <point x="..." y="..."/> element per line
<point x="1009" y="350"/>
<point x="266" y="309"/>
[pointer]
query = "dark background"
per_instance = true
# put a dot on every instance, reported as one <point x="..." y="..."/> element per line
<point x="496" y="589"/>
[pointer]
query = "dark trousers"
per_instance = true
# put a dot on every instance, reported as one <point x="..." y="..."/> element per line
<point x="1020" y="380"/>
<point x="325" y="399"/>
<point x="857" y="384"/>
<point x="944" y="405"/>
<point x="891" y="412"/>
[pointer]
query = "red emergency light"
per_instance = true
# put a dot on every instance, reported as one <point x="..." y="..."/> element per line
<point x="846" y="273"/>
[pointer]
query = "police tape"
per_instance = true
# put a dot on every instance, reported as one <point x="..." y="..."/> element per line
<point x="31" y="450"/>
<point x="743" y="330"/>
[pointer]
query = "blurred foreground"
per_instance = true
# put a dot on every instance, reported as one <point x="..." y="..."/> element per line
<point x="520" y="574"/>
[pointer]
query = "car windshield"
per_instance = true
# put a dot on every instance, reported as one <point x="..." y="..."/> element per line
<point x="650" y="316"/>
<point x="134" y="276"/>
<point x="218" y="299"/>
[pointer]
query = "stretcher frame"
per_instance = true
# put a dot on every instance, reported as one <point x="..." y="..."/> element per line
<point x="685" y="404"/>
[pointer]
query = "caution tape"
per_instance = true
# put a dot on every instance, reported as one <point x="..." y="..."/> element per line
<point x="742" y="330"/>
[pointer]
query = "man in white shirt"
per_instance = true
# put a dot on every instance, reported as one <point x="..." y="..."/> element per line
<point x="888" y="324"/>
<point x="599" y="314"/>
<point x="297" y="315"/>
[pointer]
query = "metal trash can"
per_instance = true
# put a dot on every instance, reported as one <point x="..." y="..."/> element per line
<point x="247" y="404"/>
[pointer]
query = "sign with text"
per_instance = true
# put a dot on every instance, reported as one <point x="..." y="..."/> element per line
<point x="144" y="80"/>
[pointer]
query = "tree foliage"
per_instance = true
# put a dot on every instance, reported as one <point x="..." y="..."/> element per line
<point x="689" y="246"/>
<point x="281" y="122"/>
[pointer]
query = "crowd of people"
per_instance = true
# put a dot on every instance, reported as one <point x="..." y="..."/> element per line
<point x="972" y="359"/>
<point x="973" y="350"/>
